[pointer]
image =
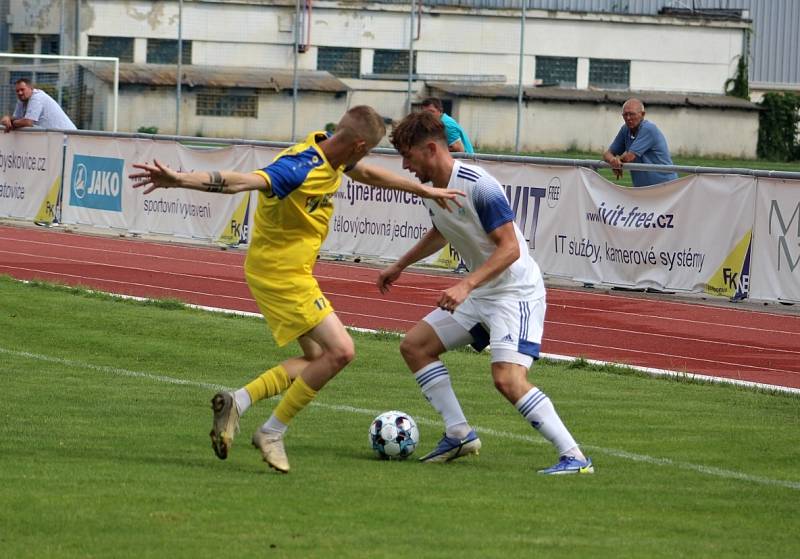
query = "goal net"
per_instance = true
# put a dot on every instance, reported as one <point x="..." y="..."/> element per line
<point x="86" y="87"/>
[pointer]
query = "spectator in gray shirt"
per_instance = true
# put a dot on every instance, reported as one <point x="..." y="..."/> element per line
<point x="35" y="108"/>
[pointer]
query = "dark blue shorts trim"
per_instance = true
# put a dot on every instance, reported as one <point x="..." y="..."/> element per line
<point x="529" y="348"/>
<point x="480" y="336"/>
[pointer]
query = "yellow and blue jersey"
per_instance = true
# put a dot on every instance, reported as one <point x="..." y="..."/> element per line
<point x="291" y="222"/>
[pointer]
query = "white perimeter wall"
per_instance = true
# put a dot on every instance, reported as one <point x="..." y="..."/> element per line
<point x="554" y="126"/>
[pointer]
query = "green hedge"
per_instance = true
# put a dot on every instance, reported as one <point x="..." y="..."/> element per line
<point x="778" y="126"/>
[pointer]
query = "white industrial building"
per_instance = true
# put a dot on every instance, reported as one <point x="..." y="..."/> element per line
<point x="239" y="58"/>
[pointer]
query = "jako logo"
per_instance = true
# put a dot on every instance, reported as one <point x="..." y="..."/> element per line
<point x="97" y="182"/>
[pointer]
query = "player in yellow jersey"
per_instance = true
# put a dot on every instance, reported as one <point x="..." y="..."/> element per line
<point x="291" y="222"/>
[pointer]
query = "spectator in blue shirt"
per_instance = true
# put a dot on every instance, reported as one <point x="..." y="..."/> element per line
<point x="457" y="139"/>
<point x="639" y="141"/>
<point x="35" y="108"/>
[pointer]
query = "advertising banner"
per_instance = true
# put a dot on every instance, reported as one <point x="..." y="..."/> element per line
<point x="30" y="174"/>
<point x="776" y="241"/>
<point x="695" y="234"/>
<point x="582" y="227"/>
<point x="96" y="190"/>
<point x="376" y="222"/>
<point x="189" y="213"/>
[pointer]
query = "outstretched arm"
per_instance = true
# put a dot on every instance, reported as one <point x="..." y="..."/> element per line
<point x="157" y="175"/>
<point x="378" y="176"/>
<point x="432" y="242"/>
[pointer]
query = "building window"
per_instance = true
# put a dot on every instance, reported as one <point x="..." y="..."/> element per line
<point x="392" y="62"/>
<point x="609" y="74"/>
<point x="342" y="62"/>
<point x="165" y="51"/>
<point x="25" y="43"/>
<point x="14" y="76"/>
<point x="22" y="43"/>
<point x="223" y="103"/>
<point x="120" y="47"/>
<point x="50" y="44"/>
<point x="557" y="70"/>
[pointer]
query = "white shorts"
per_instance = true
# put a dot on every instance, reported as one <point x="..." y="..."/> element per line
<point x="511" y="329"/>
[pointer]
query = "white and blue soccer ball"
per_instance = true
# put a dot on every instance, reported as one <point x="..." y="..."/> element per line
<point x="393" y="434"/>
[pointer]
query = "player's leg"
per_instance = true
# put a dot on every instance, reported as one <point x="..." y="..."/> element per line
<point x="421" y="349"/>
<point x="277" y="379"/>
<point x="228" y="407"/>
<point x="516" y="328"/>
<point x="336" y="350"/>
<point x="535" y="406"/>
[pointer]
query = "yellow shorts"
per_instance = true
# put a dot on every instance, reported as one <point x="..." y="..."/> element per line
<point x="292" y="306"/>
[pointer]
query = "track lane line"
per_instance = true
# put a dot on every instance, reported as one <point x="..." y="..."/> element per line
<point x="672" y="356"/>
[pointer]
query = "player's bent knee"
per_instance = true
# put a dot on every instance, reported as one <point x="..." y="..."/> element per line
<point x="341" y="356"/>
<point x="408" y="348"/>
<point x="414" y="351"/>
<point x="503" y="384"/>
<point x="510" y="381"/>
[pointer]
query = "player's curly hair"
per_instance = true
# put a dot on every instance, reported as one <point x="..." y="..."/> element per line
<point x="416" y="129"/>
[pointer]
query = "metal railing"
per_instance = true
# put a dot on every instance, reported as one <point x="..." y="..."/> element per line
<point x="210" y="143"/>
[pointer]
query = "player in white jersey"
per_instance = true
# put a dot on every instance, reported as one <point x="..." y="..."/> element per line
<point x="499" y="304"/>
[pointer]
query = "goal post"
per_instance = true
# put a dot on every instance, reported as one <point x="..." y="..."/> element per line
<point x="86" y="87"/>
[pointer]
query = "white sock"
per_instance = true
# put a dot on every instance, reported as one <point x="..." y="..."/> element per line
<point x="434" y="380"/>
<point x="274" y="424"/>
<point x="243" y="400"/>
<point x="538" y="410"/>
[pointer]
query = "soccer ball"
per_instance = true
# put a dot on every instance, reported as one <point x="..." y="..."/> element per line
<point x="393" y="434"/>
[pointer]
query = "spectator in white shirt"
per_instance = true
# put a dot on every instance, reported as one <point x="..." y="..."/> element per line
<point x="35" y="108"/>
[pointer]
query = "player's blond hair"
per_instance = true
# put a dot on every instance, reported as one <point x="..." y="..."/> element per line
<point x="363" y="123"/>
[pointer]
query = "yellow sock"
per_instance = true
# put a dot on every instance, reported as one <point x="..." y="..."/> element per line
<point x="296" y="398"/>
<point x="272" y="382"/>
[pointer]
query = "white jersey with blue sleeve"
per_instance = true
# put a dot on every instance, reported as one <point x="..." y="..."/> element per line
<point x="484" y="208"/>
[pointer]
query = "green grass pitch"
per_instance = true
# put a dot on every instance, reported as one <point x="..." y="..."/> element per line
<point x="104" y="452"/>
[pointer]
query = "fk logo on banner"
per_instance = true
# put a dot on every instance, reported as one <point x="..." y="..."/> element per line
<point x="97" y="182"/>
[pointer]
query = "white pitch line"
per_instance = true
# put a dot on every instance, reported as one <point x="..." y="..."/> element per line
<point x="644" y="458"/>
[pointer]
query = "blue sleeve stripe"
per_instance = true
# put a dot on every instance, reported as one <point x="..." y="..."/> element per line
<point x="492" y="206"/>
<point x="289" y="171"/>
<point x="468" y="174"/>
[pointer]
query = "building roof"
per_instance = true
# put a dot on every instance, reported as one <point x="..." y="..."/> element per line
<point x="557" y="94"/>
<point x="222" y="76"/>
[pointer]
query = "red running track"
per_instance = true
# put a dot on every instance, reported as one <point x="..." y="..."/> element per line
<point x="734" y="343"/>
